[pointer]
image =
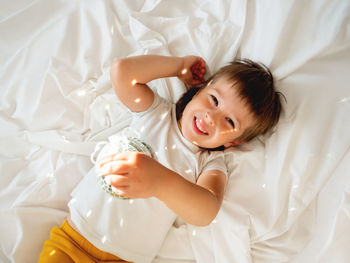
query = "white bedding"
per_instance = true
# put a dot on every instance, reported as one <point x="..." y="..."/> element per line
<point x="288" y="197"/>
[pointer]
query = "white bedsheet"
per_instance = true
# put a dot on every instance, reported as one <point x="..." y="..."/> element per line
<point x="288" y="197"/>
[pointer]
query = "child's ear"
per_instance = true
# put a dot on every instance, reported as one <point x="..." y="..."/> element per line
<point x="230" y="144"/>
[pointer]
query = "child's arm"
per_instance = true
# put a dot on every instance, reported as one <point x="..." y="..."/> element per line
<point x="130" y="75"/>
<point x="197" y="204"/>
<point x="138" y="176"/>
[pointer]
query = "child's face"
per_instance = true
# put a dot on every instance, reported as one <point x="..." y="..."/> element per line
<point x="216" y="116"/>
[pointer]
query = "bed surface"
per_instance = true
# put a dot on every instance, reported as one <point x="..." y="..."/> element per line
<point x="288" y="196"/>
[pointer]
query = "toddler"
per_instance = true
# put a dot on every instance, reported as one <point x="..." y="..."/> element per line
<point x="180" y="175"/>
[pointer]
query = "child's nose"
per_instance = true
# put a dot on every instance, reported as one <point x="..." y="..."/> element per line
<point x="209" y="119"/>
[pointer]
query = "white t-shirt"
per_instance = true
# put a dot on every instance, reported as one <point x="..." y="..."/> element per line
<point x="135" y="229"/>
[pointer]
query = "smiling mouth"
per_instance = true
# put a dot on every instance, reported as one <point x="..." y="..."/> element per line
<point x="197" y="127"/>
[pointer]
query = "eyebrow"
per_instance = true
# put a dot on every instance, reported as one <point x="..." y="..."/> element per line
<point x="235" y="119"/>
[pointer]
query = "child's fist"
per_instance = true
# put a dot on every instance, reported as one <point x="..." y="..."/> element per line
<point x="198" y="70"/>
<point x="193" y="71"/>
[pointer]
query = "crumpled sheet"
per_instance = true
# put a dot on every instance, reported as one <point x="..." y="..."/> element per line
<point x="288" y="196"/>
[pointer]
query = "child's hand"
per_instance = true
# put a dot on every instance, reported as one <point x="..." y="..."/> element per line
<point x="134" y="174"/>
<point x="193" y="72"/>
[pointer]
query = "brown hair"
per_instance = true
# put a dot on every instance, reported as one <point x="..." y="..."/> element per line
<point x="255" y="87"/>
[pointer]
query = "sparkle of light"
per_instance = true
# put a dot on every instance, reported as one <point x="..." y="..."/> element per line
<point x="163" y="115"/>
<point x="188" y="171"/>
<point x="103" y="239"/>
<point x="81" y="93"/>
<point x="330" y="156"/>
<point x="133" y="82"/>
<point x="345" y="99"/>
<point x="173" y="147"/>
<point x="65" y="139"/>
<point x="52" y="252"/>
<point x="229" y="131"/>
<point x="137" y="100"/>
<point x="88" y="213"/>
<point x="184" y="71"/>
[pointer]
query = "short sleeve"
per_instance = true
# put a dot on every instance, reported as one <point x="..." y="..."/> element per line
<point x="213" y="161"/>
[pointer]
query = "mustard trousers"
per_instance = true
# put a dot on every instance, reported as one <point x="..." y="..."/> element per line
<point x="66" y="245"/>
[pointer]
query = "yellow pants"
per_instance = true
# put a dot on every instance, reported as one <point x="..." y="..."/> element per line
<point x="67" y="245"/>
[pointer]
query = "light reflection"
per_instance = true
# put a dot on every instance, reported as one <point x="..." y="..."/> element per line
<point x="330" y="156"/>
<point x="173" y="147"/>
<point x="137" y="100"/>
<point x="263" y="186"/>
<point x="107" y="106"/>
<point x="188" y="171"/>
<point x="133" y="82"/>
<point x="194" y="233"/>
<point x="229" y="131"/>
<point x="131" y="201"/>
<point x="81" y="93"/>
<point x="184" y="71"/>
<point x="164" y="115"/>
<point x="88" y="213"/>
<point x="292" y="209"/>
<point x="110" y="199"/>
<point x="121" y="222"/>
<point x="295" y="186"/>
<point x="194" y="142"/>
<point x="112" y="30"/>
<point x="345" y="99"/>
<point x="65" y="139"/>
<point x="103" y="239"/>
<point x="52" y="252"/>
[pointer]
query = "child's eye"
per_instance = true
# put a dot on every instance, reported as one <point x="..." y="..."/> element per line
<point x="230" y="121"/>
<point x="215" y="100"/>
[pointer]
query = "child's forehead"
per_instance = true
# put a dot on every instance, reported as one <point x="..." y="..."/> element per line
<point x="224" y="85"/>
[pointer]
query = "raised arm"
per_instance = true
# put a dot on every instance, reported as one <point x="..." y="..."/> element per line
<point x="129" y="77"/>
